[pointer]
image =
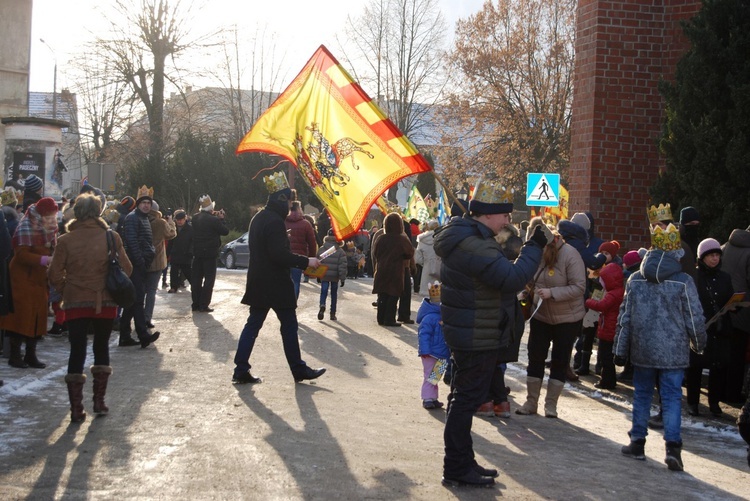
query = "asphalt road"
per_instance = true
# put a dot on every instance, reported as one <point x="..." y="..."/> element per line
<point x="178" y="428"/>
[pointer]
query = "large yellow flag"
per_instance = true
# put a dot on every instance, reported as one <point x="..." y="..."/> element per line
<point x="346" y="149"/>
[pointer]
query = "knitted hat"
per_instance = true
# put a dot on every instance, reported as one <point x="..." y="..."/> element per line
<point x="127" y="203"/>
<point x="33" y="183"/>
<point x="689" y="215"/>
<point x="630" y="258"/>
<point x="154" y="205"/>
<point x="46" y="206"/>
<point x="582" y="220"/>
<point x="612" y="247"/>
<point x="206" y="204"/>
<point x="642" y="252"/>
<point x="179" y="214"/>
<point x="708" y="246"/>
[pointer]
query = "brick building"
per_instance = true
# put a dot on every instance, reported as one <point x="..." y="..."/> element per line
<point x="623" y="49"/>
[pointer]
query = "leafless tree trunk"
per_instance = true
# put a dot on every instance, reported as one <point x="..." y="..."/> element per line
<point x="145" y="35"/>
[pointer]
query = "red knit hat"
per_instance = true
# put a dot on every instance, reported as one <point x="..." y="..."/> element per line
<point x="46" y="207"/>
<point x="631" y="258"/>
<point x="612" y="247"/>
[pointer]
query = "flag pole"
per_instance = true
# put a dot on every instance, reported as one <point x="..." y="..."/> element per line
<point x="449" y="192"/>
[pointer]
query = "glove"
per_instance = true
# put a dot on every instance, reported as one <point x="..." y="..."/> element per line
<point x="44" y="260"/>
<point x="540" y="237"/>
<point x="620" y="361"/>
<point x="342" y="283"/>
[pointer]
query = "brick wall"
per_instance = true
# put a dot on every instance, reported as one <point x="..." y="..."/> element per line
<point x="623" y="49"/>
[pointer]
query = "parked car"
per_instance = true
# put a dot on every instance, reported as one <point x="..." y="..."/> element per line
<point x="235" y="253"/>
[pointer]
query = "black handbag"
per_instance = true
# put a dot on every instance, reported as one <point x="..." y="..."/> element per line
<point x="118" y="284"/>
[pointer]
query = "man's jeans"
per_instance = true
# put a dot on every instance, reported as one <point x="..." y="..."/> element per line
<point x="670" y="390"/>
<point x="288" y="319"/>
<point x="136" y="311"/>
<point x="296" y="274"/>
<point x="152" y="285"/>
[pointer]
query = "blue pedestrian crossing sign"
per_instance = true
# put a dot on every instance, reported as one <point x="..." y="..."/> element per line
<point x="542" y="189"/>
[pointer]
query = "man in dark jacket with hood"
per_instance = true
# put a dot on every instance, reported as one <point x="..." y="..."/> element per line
<point x="479" y="310"/>
<point x="270" y="286"/>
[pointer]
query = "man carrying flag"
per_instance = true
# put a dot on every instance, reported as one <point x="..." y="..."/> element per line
<point x="269" y="284"/>
<point x="345" y="148"/>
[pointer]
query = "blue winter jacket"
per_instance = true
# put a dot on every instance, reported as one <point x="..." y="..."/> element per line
<point x="479" y="285"/>
<point x="430" y="334"/>
<point x="661" y="317"/>
<point x="137" y="239"/>
<point x="577" y="237"/>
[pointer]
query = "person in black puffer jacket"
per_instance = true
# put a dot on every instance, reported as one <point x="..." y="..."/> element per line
<point x="479" y="311"/>
<point x="137" y="239"/>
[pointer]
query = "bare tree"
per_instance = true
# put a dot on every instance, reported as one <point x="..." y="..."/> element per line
<point x="146" y="34"/>
<point x="398" y="46"/>
<point x="105" y="107"/>
<point x="510" y="109"/>
<point x="244" y="95"/>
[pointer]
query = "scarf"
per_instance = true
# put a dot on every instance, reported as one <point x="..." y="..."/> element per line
<point x="31" y="232"/>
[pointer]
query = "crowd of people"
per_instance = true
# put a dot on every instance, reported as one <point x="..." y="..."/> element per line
<point x="665" y="313"/>
<point x="58" y="257"/>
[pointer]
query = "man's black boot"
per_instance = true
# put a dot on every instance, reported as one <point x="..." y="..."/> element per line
<point x="470" y="479"/>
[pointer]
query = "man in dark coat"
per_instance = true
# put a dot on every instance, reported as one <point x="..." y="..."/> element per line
<point x="180" y="251"/>
<point x="208" y="228"/>
<point x="479" y="310"/>
<point x="269" y="284"/>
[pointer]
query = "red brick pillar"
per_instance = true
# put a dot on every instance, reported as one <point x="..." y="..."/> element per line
<point x="623" y="50"/>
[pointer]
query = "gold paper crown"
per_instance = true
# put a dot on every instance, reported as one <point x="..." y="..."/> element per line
<point x="492" y="194"/>
<point x="666" y="240"/>
<point x="435" y="290"/>
<point x="144" y="191"/>
<point x="8" y="197"/>
<point x="206" y="203"/>
<point x="661" y="213"/>
<point x="276" y="182"/>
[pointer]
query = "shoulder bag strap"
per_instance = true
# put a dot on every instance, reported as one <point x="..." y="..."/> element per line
<point x="110" y="246"/>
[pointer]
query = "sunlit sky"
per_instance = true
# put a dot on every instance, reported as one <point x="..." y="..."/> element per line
<point x="300" y="27"/>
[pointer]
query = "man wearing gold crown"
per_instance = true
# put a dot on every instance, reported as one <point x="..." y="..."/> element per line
<point x="480" y="313"/>
<point x="269" y="283"/>
<point x="137" y="239"/>
<point x="660" y="321"/>
<point x="208" y="228"/>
